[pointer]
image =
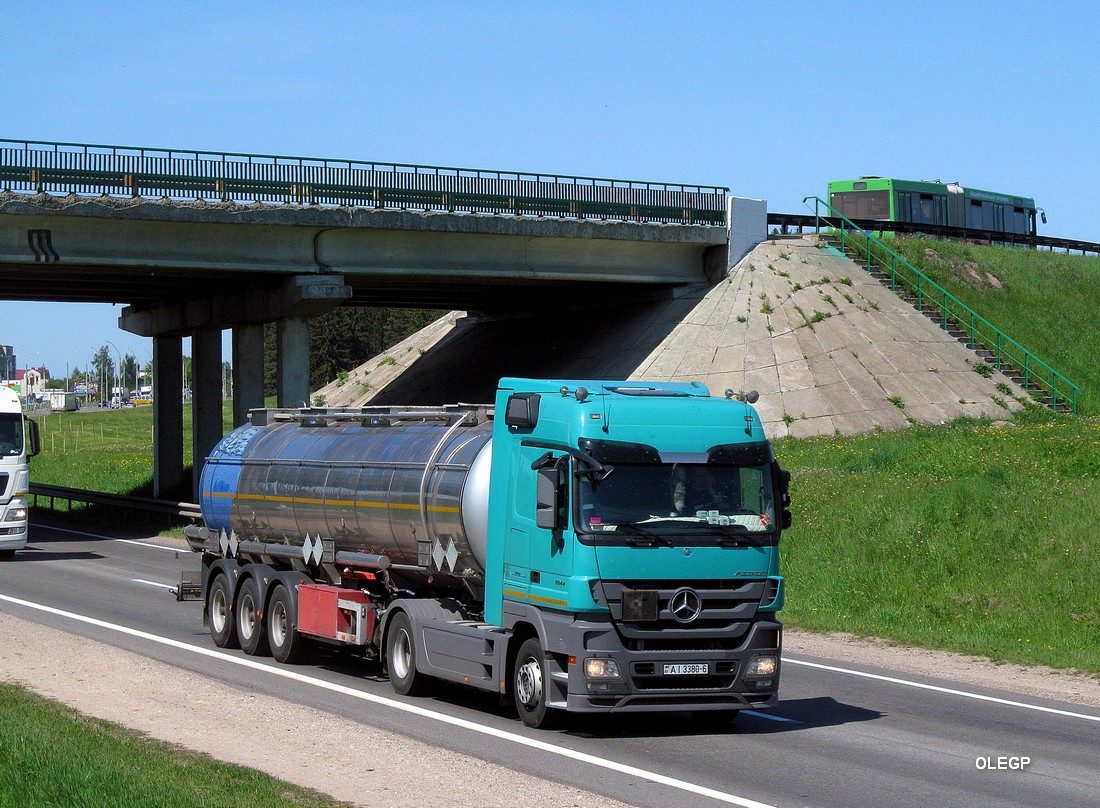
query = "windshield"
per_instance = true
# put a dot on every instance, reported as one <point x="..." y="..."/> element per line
<point x="11" y="434"/>
<point x="679" y="500"/>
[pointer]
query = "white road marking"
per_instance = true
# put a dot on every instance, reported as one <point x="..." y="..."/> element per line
<point x="153" y="583"/>
<point x="938" y="689"/>
<point x="112" y="538"/>
<point x="503" y="735"/>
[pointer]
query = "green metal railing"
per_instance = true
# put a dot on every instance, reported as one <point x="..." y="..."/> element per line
<point x="1005" y="351"/>
<point x="62" y="168"/>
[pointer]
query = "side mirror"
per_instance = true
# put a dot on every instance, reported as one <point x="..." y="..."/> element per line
<point x="34" y="441"/>
<point x="550" y="495"/>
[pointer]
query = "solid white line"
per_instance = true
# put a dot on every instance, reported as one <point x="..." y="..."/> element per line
<point x="112" y="538"/>
<point x="938" y="689"/>
<point x="153" y="583"/>
<point x="542" y="746"/>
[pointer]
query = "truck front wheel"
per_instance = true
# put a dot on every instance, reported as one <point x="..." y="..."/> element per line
<point x="529" y="683"/>
<point x="223" y="629"/>
<point x="401" y="657"/>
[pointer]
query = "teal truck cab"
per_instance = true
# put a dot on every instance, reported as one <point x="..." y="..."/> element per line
<point x="580" y="546"/>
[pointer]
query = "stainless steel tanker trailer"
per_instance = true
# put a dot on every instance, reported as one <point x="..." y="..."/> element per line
<point x="573" y="546"/>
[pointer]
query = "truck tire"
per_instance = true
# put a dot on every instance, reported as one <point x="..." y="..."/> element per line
<point x="223" y="628"/>
<point x="287" y="645"/>
<point x="250" y="622"/>
<point x="401" y="657"/>
<point x="530" y="680"/>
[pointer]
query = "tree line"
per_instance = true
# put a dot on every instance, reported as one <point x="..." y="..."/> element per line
<point x="344" y="338"/>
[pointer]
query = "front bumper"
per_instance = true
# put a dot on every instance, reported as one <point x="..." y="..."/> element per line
<point x="13" y="534"/>
<point x="645" y="686"/>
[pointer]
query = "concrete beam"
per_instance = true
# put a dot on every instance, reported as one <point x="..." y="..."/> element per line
<point x="144" y="253"/>
<point x="167" y="417"/>
<point x="294" y="297"/>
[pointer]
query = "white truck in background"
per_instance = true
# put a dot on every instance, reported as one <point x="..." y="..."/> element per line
<point x="18" y="443"/>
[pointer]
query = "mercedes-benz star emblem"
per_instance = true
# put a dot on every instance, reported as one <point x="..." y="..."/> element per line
<point x="685" y="605"/>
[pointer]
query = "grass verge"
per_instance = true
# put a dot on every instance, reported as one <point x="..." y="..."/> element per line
<point x="51" y="755"/>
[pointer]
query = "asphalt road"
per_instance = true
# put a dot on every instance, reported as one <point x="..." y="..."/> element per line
<point x="844" y="734"/>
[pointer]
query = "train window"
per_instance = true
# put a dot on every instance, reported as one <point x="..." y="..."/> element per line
<point x="862" y="204"/>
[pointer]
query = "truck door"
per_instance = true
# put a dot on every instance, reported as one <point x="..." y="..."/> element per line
<point x="539" y="554"/>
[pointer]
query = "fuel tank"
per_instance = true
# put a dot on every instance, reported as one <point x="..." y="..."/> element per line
<point x="410" y="484"/>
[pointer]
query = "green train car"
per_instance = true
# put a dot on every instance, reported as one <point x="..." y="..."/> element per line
<point x="936" y="203"/>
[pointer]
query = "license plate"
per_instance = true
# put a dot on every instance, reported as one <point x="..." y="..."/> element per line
<point x="687" y="669"/>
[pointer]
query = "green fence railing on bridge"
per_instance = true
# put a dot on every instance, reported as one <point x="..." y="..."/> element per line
<point x="951" y="312"/>
<point x="62" y="168"/>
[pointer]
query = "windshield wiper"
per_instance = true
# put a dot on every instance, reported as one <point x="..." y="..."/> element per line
<point x="634" y="532"/>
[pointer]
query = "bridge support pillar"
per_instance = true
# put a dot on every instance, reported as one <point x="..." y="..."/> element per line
<point x="167" y="417"/>
<point x="248" y="370"/>
<point x="206" y="395"/>
<point x="292" y="370"/>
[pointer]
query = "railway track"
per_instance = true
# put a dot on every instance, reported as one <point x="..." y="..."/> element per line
<point x="797" y="222"/>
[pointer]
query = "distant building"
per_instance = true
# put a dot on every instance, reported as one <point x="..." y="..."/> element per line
<point x="30" y="382"/>
<point x="7" y="363"/>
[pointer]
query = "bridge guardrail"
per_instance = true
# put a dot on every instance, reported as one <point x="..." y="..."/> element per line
<point x="47" y="167"/>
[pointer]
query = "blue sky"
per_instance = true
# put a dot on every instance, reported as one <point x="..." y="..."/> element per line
<point x="771" y="99"/>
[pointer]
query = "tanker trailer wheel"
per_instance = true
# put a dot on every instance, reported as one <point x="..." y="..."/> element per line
<point x="287" y="645"/>
<point x="223" y="629"/>
<point x="530" y="681"/>
<point x="250" y="623"/>
<point x="401" y="657"/>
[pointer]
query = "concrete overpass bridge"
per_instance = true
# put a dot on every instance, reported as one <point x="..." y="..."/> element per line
<point x="197" y="242"/>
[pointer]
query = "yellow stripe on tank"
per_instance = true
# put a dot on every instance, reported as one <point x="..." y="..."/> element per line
<point x="347" y="503"/>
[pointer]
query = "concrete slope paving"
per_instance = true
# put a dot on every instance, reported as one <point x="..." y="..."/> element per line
<point x="828" y="347"/>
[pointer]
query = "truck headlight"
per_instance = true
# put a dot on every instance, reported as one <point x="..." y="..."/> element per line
<point x="600" y="668"/>
<point x="17" y="510"/>
<point x="762" y="666"/>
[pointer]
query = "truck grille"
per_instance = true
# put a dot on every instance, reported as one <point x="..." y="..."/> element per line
<point x="683" y="615"/>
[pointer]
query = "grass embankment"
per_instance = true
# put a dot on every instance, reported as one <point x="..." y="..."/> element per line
<point x="1046" y="301"/>
<point x="53" y="756"/>
<point x="965" y="537"/>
